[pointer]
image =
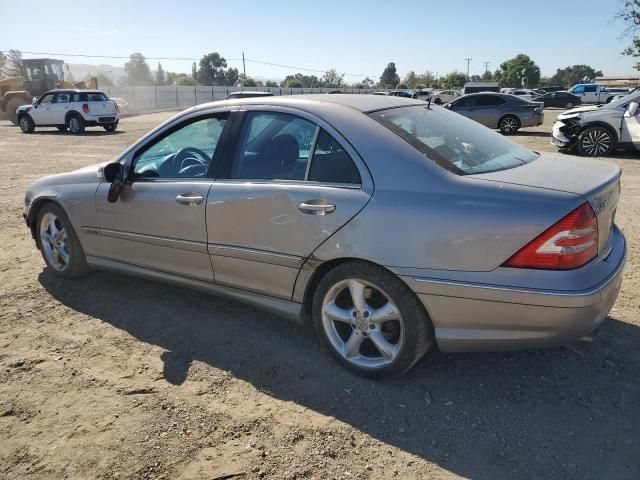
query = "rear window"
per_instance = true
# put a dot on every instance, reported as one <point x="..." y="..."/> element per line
<point x="454" y="142"/>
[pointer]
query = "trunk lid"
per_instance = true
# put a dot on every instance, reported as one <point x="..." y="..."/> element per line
<point x="598" y="182"/>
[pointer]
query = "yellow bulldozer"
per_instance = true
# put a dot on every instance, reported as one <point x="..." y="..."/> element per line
<point x="38" y="76"/>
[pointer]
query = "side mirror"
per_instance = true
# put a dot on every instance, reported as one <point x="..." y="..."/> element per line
<point x="113" y="173"/>
<point x="632" y="108"/>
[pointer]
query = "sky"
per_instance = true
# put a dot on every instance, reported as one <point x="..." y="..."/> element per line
<point x="355" y="37"/>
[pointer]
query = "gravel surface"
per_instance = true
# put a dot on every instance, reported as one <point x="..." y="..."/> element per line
<point x="114" y="377"/>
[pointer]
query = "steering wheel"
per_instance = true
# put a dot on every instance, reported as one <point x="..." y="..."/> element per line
<point x="189" y="160"/>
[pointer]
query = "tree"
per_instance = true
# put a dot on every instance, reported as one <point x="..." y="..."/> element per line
<point x="212" y="70"/>
<point x="160" y="77"/>
<point x="519" y="71"/>
<point x="574" y="74"/>
<point x="332" y="79"/>
<point x="487" y="76"/>
<point x="13" y="64"/>
<point x="137" y="70"/>
<point x="247" y="81"/>
<point x="170" y="78"/>
<point x="230" y="77"/>
<point x="185" y="80"/>
<point x="300" y="81"/>
<point x="271" y="83"/>
<point x="454" y="79"/>
<point x="630" y="14"/>
<point x="389" y="77"/>
<point x="417" y="81"/>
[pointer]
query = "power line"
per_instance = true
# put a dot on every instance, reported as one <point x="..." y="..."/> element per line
<point x="280" y="65"/>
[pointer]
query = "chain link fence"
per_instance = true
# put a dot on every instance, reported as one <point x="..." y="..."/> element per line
<point x="150" y="98"/>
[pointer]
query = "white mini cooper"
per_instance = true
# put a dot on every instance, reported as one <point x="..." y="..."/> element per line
<point x="69" y="109"/>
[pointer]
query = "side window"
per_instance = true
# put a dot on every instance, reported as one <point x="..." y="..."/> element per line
<point x="489" y="101"/>
<point x="331" y="164"/>
<point x="48" y="98"/>
<point x="462" y="103"/>
<point x="578" y="89"/>
<point x="188" y="152"/>
<point x="273" y="146"/>
<point x="590" y="88"/>
<point x="62" y="98"/>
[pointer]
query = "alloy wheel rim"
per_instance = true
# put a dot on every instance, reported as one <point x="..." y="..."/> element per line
<point x="596" y="142"/>
<point x="508" y="124"/>
<point x="54" y="242"/>
<point x="362" y="323"/>
<point x="24" y="124"/>
<point x="74" y="125"/>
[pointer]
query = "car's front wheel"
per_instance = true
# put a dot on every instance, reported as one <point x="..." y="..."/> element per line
<point x="509" y="124"/>
<point x="76" y="124"/>
<point x="596" y="142"/>
<point x="568" y="105"/>
<point x="437" y="101"/>
<point x="59" y="243"/>
<point x="111" y="127"/>
<point x="26" y="123"/>
<point x="370" y="320"/>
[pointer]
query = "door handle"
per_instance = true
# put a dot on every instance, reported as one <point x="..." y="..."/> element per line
<point x="191" y="198"/>
<point x="316" y="207"/>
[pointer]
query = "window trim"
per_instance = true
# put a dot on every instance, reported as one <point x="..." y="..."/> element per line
<point x="222" y="142"/>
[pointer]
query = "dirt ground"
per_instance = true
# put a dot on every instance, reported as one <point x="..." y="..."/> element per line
<point x="112" y="377"/>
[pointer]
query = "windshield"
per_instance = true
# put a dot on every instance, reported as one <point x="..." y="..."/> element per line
<point x="454" y="142"/>
<point x="632" y="96"/>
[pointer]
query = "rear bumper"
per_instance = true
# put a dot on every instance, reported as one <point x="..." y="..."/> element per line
<point x="95" y="120"/>
<point x="479" y="317"/>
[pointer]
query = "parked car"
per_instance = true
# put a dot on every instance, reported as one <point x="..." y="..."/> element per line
<point x="423" y="95"/>
<point x="524" y="93"/>
<point x="506" y="112"/>
<point x="69" y="109"/>
<point x="123" y="105"/>
<point x="476" y="87"/>
<point x="249" y="94"/>
<point x="380" y="93"/>
<point x="553" y="88"/>
<point x="445" y="96"/>
<point x="564" y="100"/>
<point x="598" y="131"/>
<point x="592" y="93"/>
<point x="400" y="93"/>
<point x="465" y="239"/>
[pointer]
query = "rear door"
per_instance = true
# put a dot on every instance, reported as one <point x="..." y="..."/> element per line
<point x="291" y="182"/>
<point x="60" y="108"/>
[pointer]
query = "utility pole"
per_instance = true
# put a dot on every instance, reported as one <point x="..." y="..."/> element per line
<point x="244" y="71"/>
<point x="468" y="60"/>
<point x="486" y="67"/>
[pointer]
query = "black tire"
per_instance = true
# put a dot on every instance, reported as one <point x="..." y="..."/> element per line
<point x="568" y="105"/>
<point x="77" y="265"/>
<point x="76" y="124"/>
<point x="111" y="127"/>
<point x="12" y="106"/>
<point x="26" y="123"/>
<point x="437" y="101"/>
<point x="596" y="142"/>
<point x="62" y="128"/>
<point x="509" y="124"/>
<point x="417" y="329"/>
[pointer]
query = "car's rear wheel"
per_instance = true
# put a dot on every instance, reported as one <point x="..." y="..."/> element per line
<point x="111" y="127"/>
<point x="568" y="105"/>
<point x="437" y="101"/>
<point x="76" y="124"/>
<point x="62" y="128"/>
<point x="26" y="123"/>
<point x="509" y="124"/>
<point x="59" y="243"/>
<point x="596" y="142"/>
<point x="370" y="320"/>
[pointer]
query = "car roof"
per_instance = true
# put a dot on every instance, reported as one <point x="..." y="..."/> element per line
<point x="72" y="90"/>
<point x="361" y="102"/>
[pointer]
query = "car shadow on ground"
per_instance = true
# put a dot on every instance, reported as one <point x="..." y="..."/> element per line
<point x="86" y="133"/>
<point x="524" y="133"/>
<point x="558" y="413"/>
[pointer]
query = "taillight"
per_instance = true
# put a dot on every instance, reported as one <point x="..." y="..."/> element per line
<point x="85" y="107"/>
<point x="117" y="107"/>
<point x="570" y="243"/>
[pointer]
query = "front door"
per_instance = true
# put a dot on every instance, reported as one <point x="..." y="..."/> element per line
<point x="60" y="107"/>
<point x="159" y="220"/>
<point x="41" y="112"/>
<point x="630" y="132"/>
<point x="289" y="185"/>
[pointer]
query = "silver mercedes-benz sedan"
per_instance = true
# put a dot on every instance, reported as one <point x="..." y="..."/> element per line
<point x="386" y="223"/>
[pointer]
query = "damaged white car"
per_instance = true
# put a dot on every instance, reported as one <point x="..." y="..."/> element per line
<point x="596" y="131"/>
